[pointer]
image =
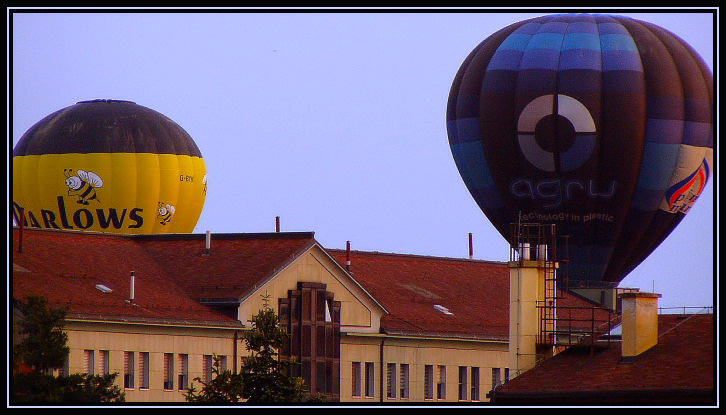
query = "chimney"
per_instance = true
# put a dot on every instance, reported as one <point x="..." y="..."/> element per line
<point x="471" y="246"/>
<point x="640" y="323"/>
<point x="131" y="297"/>
<point x="208" y="242"/>
<point x="347" y="255"/>
<point x="277" y="224"/>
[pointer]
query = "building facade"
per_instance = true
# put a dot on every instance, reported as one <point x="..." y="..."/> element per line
<point x="366" y="327"/>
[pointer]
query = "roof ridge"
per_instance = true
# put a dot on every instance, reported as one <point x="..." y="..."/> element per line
<point x="417" y="256"/>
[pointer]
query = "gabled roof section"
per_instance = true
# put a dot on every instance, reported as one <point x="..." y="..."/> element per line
<point x="66" y="267"/>
<point x="679" y="368"/>
<point x="234" y="266"/>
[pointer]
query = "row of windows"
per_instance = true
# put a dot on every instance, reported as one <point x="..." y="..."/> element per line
<point x="398" y="380"/>
<point x="176" y="368"/>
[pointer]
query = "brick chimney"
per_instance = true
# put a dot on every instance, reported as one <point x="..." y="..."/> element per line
<point x="640" y="323"/>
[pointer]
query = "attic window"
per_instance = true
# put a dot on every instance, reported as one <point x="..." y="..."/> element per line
<point x="443" y="309"/>
<point x="103" y="288"/>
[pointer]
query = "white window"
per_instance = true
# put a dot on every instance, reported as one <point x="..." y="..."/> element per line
<point x="144" y="370"/>
<point x="88" y="362"/>
<point x="129" y="370"/>
<point x="441" y="383"/>
<point x="429" y="382"/>
<point x="168" y="371"/>
<point x="207" y="363"/>
<point x="370" y="379"/>
<point x="356" y="381"/>
<point x="474" y="383"/>
<point x="104" y="362"/>
<point x="391" y="380"/>
<point x="404" y="380"/>
<point x="496" y="377"/>
<point x="222" y="363"/>
<point x="463" y="389"/>
<point x="183" y="372"/>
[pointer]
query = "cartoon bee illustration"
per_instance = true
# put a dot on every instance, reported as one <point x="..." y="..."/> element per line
<point x="165" y="213"/>
<point x="83" y="185"/>
<point x="204" y="182"/>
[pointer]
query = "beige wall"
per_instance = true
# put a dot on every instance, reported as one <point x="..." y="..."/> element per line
<point x="417" y="353"/>
<point x="157" y="340"/>
<point x="358" y="311"/>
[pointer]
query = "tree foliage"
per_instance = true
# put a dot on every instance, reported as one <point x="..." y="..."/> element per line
<point x="42" y="348"/>
<point x="264" y="377"/>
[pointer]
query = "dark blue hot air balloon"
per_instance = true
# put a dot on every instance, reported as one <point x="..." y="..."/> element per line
<point x="602" y="125"/>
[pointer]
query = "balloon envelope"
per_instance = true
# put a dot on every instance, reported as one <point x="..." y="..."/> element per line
<point x="601" y="125"/>
<point x="109" y="166"/>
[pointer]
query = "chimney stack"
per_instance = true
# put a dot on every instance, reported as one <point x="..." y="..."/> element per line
<point x="347" y="255"/>
<point x="208" y="242"/>
<point x="277" y="224"/>
<point x="131" y="297"/>
<point x="471" y="246"/>
<point x="640" y="323"/>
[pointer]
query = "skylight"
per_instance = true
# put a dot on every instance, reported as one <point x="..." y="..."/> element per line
<point x="103" y="288"/>
<point x="443" y="309"/>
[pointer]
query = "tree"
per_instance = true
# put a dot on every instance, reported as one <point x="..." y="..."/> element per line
<point x="264" y="377"/>
<point x="223" y="387"/>
<point x="43" y="347"/>
<point x="267" y="376"/>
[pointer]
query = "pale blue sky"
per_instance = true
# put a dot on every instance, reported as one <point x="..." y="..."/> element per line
<point x="333" y="121"/>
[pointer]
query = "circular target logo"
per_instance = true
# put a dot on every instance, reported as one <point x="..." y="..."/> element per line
<point x="556" y="133"/>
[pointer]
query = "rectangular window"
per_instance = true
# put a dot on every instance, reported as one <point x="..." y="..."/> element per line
<point x="496" y="377"/>
<point x="129" y="370"/>
<point x="222" y="363"/>
<point x="88" y="361"/>
<point x="391" y="380"/>
<point x="506" y="374"/>
<point x="404" y="380"/>
<point x="441" y="383"/>
<point x="183" y="383"/>
<point x="463" y="389"/>
<point x="474" y="383"/>
<point x="356" y="381"/>
<point x="144" y="370"/>
<point x="104" y="362"/>
<point x="370" y="379"/>
<point x="168" y="371"/>
<point x="429" y="382"/>
<point x="207" y="363"/>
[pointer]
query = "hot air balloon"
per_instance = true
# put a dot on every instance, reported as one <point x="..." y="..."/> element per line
<point x="601" y="125"/>
<point x="108" y="166"/>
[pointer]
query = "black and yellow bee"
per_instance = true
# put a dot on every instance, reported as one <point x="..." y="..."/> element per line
<point x="83" y="185"/>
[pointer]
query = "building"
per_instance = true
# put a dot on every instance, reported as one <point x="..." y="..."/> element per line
<point x="677" y="370"/>
<point x="366" y="327"/>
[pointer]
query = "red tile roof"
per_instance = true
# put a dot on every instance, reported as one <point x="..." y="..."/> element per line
<point x="475" y="292"/>
<point x="678" y="369"/>
<point x="171" y="271"/>
<point x="235" y="265"/>
<point x="427" y="296"/>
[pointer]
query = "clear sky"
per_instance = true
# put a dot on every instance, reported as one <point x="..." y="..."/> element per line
<point x="333" y="121"/>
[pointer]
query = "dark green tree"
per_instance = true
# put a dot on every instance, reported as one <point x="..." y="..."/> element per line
<point x="264" y="377"/>
<point x="224" y="387"/>
<point x="42" y="347"/>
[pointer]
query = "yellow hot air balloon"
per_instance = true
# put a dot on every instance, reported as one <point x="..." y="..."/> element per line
<point x="109" y="166"/>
